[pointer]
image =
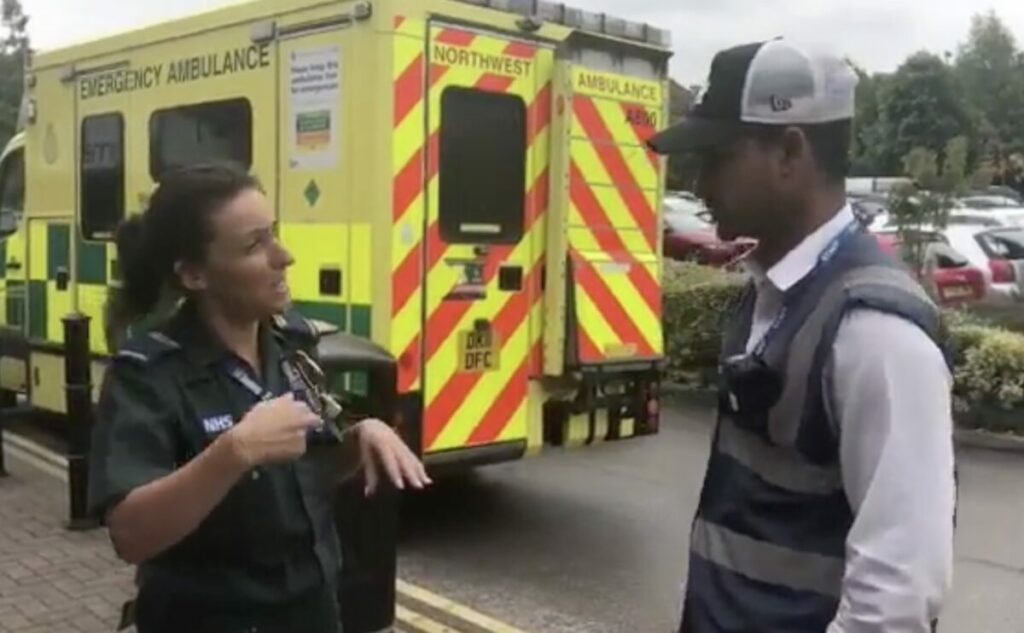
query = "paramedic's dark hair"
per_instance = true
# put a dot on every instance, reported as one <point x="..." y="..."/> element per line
<point x="175" y="227"/>
<point x="830" y="142"/>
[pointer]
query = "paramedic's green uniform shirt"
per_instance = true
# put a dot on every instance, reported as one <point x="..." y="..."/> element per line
<point x="166" y="397"/>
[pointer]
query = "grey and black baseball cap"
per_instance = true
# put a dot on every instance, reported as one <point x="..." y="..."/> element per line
<point x="766" y="83"/>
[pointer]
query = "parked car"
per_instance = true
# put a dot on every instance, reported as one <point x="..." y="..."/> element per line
<point x="690" y="237"/>
<point x="989" y="210"/>
<point x="870" y="211"/>
<point x="948" y="276"/>
<point x="999" y="253"/>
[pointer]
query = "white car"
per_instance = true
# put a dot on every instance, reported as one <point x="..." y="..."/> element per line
<point x="1005" y="215"/>
<point x="999" y="252"/>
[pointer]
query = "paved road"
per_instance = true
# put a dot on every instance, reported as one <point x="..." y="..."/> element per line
<point x="593" y="541"/>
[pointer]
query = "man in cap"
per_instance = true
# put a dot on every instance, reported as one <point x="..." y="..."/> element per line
<point x="829" y="497"/>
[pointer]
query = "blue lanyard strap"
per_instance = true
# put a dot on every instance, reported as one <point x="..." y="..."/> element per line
<point x="298" y="387"/>
<point x="826" y="258"/>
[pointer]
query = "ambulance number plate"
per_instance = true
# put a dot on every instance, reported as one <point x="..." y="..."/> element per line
<point x="479" y="351"/>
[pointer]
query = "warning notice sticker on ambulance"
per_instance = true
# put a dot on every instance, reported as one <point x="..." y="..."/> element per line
<point x="315" y="97"/>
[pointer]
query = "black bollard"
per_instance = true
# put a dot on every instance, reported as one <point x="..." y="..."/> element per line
<point x="8" y="400"/>
<point x="78" y="393"/>
<point x="367" y="527"/>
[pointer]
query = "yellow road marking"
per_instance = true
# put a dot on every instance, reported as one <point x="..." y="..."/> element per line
<point x="420" y="623"/>
<point x="455" y="609"/>
<point x="51" y="463"/>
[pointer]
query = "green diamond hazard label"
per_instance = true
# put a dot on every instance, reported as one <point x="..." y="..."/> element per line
<point x="312" y="193"/>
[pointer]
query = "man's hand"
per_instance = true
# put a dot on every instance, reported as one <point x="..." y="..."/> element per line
<point x="380" y="446"/>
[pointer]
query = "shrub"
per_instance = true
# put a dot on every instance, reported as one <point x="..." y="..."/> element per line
<point x="991" y="377"/>
<point x="988" y="361"/>
<point x="695" y="300"/>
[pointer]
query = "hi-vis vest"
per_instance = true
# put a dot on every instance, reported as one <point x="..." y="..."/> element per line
<point x="768" y="542"/>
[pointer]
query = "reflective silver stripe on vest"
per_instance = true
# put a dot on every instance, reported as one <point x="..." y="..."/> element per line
<point x="785" y="417"/>
<point x="779" y="466"/>
<point x="767" y="563"/>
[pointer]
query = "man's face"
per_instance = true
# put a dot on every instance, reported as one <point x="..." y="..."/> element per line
<point x="740" y="185"/>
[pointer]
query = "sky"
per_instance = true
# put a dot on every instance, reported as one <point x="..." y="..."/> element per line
<point x="877" y="34"/>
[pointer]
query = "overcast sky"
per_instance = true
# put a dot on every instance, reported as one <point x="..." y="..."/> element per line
<point x="877" y="34"/>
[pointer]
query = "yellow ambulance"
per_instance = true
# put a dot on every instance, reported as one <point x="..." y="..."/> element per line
<point x="464" y="182"/>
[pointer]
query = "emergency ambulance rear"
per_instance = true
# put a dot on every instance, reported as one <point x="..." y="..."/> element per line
<point x="465" y="183"/>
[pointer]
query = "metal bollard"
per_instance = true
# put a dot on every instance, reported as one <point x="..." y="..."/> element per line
<point x="78" y="393"/>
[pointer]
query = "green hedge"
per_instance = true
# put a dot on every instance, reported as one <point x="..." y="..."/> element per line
<point x="695" y="298"/>
<point x="989" y="361"/>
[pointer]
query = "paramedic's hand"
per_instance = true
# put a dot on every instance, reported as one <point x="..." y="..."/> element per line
<point x="380" y="447"/>
<point x="273" y="432"/>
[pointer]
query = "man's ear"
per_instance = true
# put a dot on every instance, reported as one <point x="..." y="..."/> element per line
<point x="794" y="150"/>
<point x="190" y="276"/>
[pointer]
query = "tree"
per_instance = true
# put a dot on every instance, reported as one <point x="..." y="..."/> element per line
<point x="938" y="180"/>
<point x="681" y="171"/>
<point x="990" y="68"/>
<point x="867" y="144"/>
<point x="920" y="106"/>
<point x="14" y="47"/>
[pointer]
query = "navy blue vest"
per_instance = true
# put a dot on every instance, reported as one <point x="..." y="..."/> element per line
<point x="768" y="542"/>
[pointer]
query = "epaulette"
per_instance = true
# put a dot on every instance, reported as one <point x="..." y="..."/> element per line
<point x="147" y="348"/>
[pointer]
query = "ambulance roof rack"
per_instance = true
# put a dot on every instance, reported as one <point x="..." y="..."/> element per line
<point x="584" y="20"/>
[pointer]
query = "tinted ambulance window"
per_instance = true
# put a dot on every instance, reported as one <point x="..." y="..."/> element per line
<point x="102" y="175"/>
<point x="217" y="131"/>
<point x="483" y="167"/>
<point x="12" y="192"/>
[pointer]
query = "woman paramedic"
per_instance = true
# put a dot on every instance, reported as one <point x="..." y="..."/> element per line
<point x="205" y="464"/>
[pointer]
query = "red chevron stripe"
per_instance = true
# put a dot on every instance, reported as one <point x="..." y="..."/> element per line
<point x="647" y="286"/>
<point x="589" y="352"/>
<point x="642" y="131"/>
<point x="408" y="375"/>
<point x="408" y="89"/>
<point x="521" y="50"/>
<point x="451" y="396"/>
<point x="611" y="157"/>
<point x="609" y="240"/>
<point x="498" y="416"/>
<point x="406" y="279"/>
<point x="495" y="83"/>
<point x="410" y="180"/>
<point x="539" y="114"/>
<point x="399" y="21"/>
<point x="455" y="37"/>
<point x="537" y="357"/>
<point x="408" y="185"/>
<point x="611" y="309"/>
<point x="593" y="213"/>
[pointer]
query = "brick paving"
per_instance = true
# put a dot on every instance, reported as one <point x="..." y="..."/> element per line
<point x="53" y="580"/>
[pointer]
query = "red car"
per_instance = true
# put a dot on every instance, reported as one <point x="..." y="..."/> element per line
<point x="690" y="238"/>
<point x="952" y="281"/>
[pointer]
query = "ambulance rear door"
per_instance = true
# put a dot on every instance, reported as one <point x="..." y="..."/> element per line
<point x="488" y="110"/>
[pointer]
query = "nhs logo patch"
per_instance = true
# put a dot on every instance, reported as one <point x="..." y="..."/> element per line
<point x="218" y="424"/>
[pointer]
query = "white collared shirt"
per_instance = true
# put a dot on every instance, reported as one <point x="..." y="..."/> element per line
<point x="891" y="391"/>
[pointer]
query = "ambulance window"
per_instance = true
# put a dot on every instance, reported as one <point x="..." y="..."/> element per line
<point x="205" y="132"/>
<point x="102" y="175"/>
<point x="482" y="167"/>
<point x="12" y="192"/>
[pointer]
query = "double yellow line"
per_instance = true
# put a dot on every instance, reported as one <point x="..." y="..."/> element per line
<point x="445" y="615"/>
<point x="418" y="610"/>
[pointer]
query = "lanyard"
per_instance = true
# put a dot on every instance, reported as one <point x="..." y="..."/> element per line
<point x="826" y="257"/>
<point x="242" y="377"/>
<point x="298" y="387"/>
